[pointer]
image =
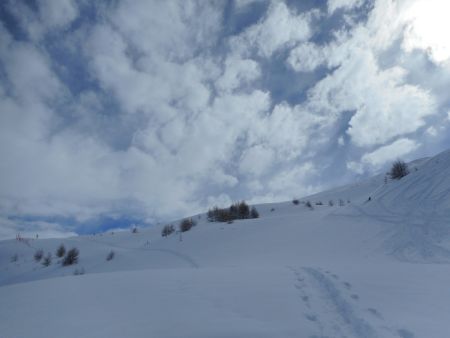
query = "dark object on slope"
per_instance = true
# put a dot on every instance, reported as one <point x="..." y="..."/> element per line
<point x="399" y="169"/>
<point x="71" y="257"/>
<point x="61" y="251"/>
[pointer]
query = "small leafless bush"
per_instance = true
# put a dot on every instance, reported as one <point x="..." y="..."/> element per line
<point x="71" y="257"/>
<point x="167" y="230"/>
<point x="47" y="260"/>
<point x="61" y="251"/>
<point x="186" y="224"/>
<point x="78" y="272"/>
<point x="254" y="213"/>
<point x="399" y="169"/>
<point x="38" y="255"/>
<point x="110" y="255"/>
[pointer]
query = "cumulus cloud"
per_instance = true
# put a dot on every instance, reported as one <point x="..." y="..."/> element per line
<point x="238" y="72"/>
<point x="383" y="155"/>
<point x="48" y="16"/>
<point x="385" y="106"/>
<point x="427" y="27"/>
<point x="257" y="160"/>
<point x="280" y="28"/>
<point x="390" y="152"/>
<point x="155" y="110"/>
<point x="333" y="5"/>
<point x="307" y="57"/>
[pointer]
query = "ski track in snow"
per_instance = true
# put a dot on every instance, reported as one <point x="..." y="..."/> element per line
<point x="335" y="310"/>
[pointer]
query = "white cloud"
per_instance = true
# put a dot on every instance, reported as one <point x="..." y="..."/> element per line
<point x="10" y="229"/>
<point x="58" y="13"/>
<point x="288" y="130"/>
<point x="333" y="5"/>
<point x="256" y="160"/>
<point x="427" y="28"/>
<point x="432" y="131"/>
<point x="379" y="157"/>
<point x="221" y="201"/>
<point x="242" y="4"/>
<point x="307" y="57"/>
<point x="50" y="15"/>
<point x="238" y="72"/>
<point x="385" y="105"/>
<point x="279" y="29"/>
<point x="291" y="182"/>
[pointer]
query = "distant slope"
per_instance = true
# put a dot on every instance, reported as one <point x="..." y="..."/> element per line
<point x="328" y="271"/>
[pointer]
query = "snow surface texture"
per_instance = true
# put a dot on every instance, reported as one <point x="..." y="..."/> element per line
<point x="377" y="268"/>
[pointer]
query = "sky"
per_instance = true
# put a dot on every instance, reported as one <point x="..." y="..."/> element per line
<point x="122" y="112"/>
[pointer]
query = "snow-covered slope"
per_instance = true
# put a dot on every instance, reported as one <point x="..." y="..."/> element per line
<point x="335" y="271"/>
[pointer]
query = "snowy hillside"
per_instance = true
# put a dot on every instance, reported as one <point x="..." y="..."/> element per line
<point x="351" y="269"/>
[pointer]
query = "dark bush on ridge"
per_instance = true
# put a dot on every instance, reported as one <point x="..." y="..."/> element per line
<point x="61" y="251"/>
<point x="295" y="201"/>
<point x="167" y="230"/>
<point x="399" y="169"/>
<point x="239" y="210"/>
<point x="71" y="257"/>
<point x="47" y="260"/>
<point x="38" y="255"/>
<point x="110" y="255"/>
<point x="186" y="224"/>
<point x="254" y="213"/>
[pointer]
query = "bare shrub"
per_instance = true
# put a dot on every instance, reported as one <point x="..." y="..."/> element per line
<point x="399" y="169"/>
<point x="47" y="260"/>
<point x="78" y="272"/>
<point x="309" y="205"/>
<point x="134" y="229"/>
<point x="71" y="257"/>
<point x="110" y="255"/>
<point x="14" y="258"/>
<point x="61" y="251"/>
<point x="38" y="255"/>
<point x="319" y="203"/>
<point x="330" y="203"/>
<point x="186" y="224"/>
<point x="167" y="230"/>
<point x="295" y="201"/>
<point x="254" y="213"/>
<point x="341" y="202"/>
